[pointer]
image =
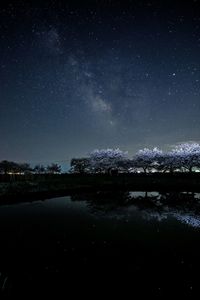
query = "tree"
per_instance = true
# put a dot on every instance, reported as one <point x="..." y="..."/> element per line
<point x="24" y="168"/>
<point x="54" y="169"/>
<point x="147" y="159"/>
<point x="168" y="162"/>
<point x="80" y="165"/>
<point x="187" y="155"/>
<point x="39" y="169"/>
<point x="126" y="166"/>
<point x="8" y="167"/>
<point x="105" y="160"/>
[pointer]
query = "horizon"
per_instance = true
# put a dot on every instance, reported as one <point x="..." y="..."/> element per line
<point x="65" y="164"/>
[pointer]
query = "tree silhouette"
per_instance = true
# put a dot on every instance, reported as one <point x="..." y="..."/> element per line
<point x="8" y="167"/>
<point x="80" y="165"/>
<point x="39" y="169"/>
<point x="54" y="169"/>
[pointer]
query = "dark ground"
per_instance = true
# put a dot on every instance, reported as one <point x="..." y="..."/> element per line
<point x="19" y="188"/>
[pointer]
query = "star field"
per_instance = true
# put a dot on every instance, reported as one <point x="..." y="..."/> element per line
<point x="80" y="75"/>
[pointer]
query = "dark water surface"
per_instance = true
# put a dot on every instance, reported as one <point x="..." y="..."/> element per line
<point x="111" y="243"/>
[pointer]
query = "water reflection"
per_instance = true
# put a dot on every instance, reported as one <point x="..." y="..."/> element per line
<point x="184" y="207"/>
<point x="67" y="243"/>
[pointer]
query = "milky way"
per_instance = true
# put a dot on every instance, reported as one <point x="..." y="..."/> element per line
<point x="97" y="74"/>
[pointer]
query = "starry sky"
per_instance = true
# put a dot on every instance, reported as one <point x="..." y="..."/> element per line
<point x="80" y="75"/>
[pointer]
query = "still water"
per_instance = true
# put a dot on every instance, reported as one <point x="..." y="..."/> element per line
<point x="122" y="243"/>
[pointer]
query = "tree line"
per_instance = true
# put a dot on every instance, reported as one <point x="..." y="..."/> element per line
<point x="184" y="157"/>
<point x="10" y="167"/>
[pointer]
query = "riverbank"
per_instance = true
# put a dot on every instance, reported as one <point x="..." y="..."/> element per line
<point x="33" y="187"/>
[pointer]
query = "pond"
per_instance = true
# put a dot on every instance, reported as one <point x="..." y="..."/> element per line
<point x="117" y="242"/>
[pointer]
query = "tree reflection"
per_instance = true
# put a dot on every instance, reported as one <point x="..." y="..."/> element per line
<point x="184" y="207"/>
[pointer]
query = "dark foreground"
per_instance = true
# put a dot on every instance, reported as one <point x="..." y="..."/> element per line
<point x="102" y="244"/>
<point x="14" y="189"/>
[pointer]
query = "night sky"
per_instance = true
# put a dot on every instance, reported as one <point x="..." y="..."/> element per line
<point x="80" y="75"/>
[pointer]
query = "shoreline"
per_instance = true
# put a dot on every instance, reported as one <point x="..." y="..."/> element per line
<point x="44" y="187"/>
